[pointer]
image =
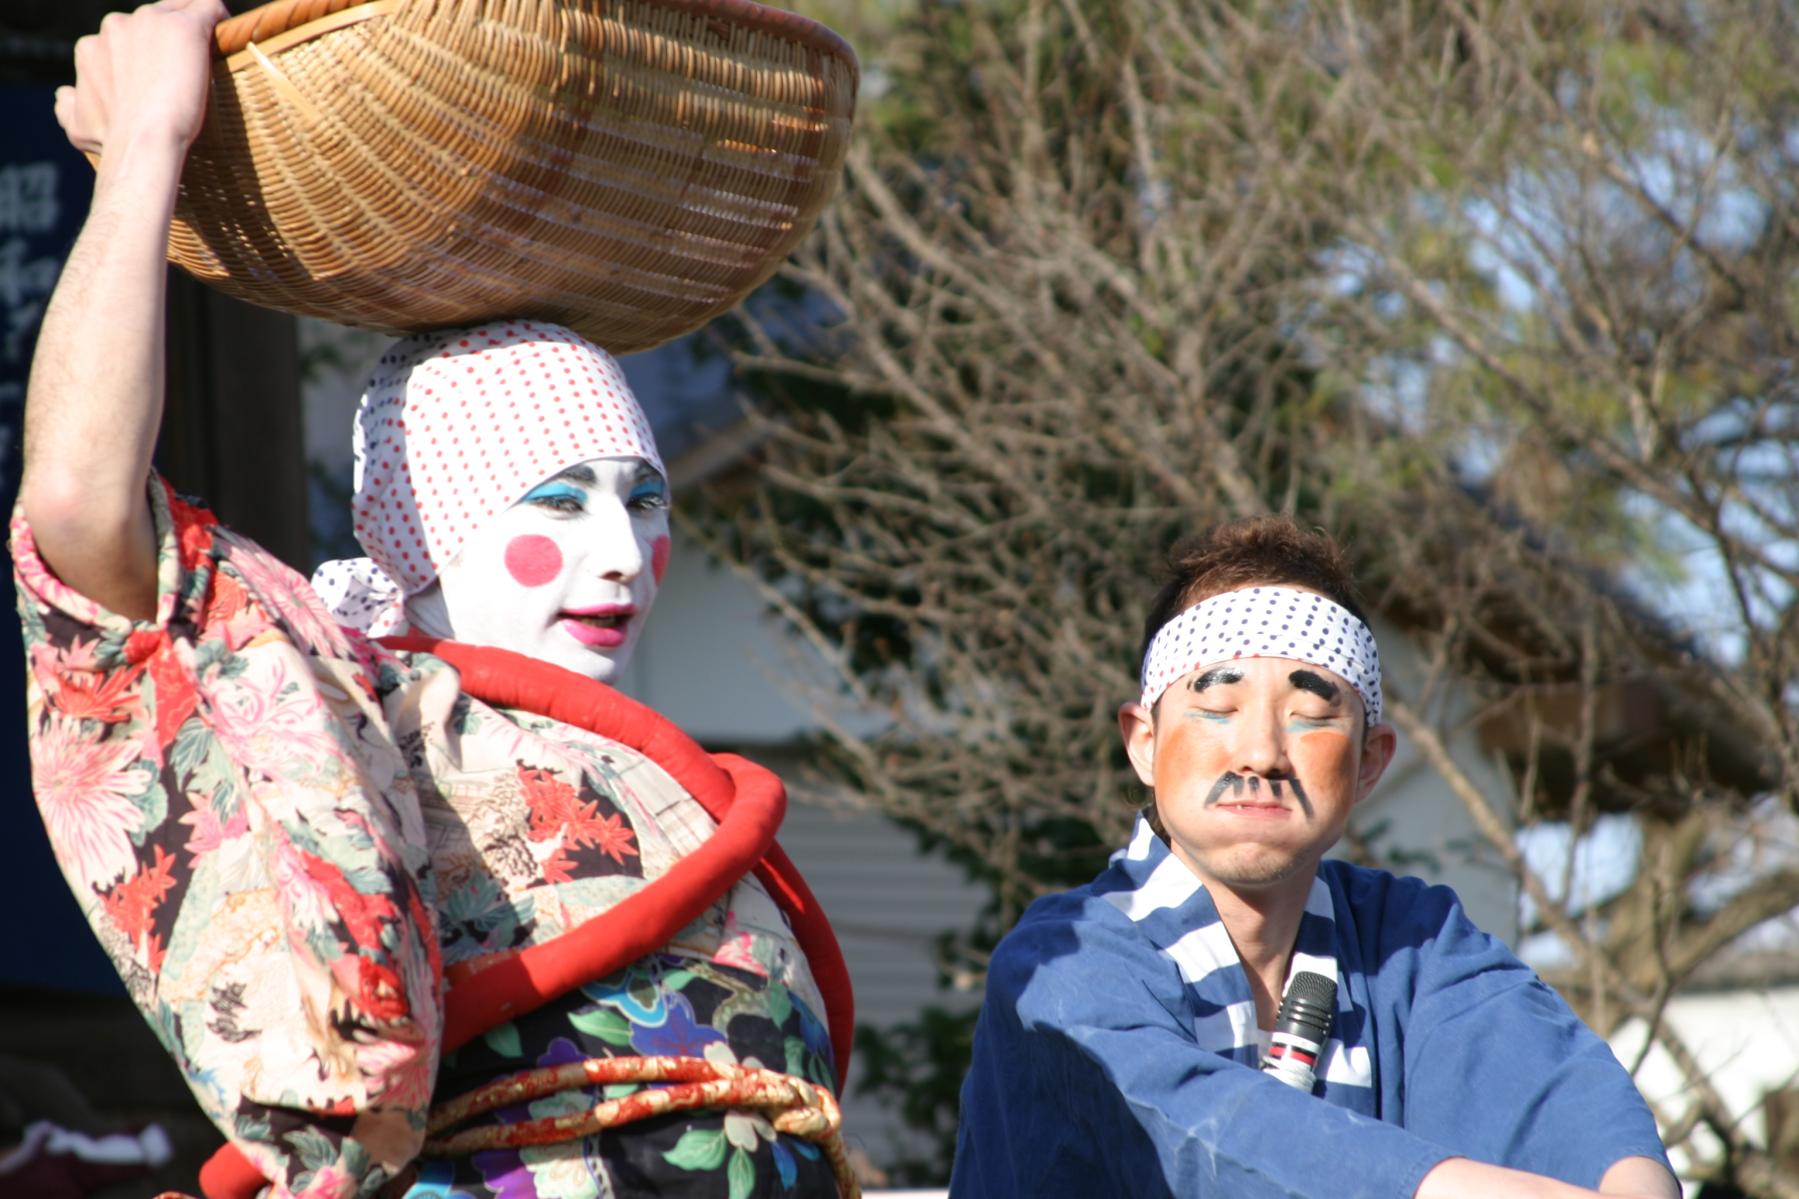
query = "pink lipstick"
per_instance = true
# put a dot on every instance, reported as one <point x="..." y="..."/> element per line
<point x="599" y="627"/>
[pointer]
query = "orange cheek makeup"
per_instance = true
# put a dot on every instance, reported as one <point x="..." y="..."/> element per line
<point x="1324" y="756"/>
<point x="1181" y="758"/>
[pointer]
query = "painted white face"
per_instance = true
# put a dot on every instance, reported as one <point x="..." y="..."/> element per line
<point x="568" y="573"/>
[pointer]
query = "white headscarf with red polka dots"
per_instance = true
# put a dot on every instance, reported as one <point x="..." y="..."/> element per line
<point x="1265" y="622"/>
<point x="457" y="426"/>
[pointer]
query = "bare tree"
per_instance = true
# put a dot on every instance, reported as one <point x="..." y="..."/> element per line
<point x="1500" y="292"/>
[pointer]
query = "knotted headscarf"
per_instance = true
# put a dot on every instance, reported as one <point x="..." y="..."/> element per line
<point x="453" y="428"/>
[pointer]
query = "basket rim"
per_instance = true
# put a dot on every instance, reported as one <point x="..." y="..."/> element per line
<point x="276" y="17"/>
<point x="293" y="257"/>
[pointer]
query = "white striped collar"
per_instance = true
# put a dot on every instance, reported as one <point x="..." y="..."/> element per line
<point x="1168" y="901"/>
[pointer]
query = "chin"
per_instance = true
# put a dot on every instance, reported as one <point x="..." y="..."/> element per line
<point x="1253" y="870"/>
<point x="601" y="668"/>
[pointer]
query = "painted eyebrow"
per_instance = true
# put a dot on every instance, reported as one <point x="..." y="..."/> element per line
<point x="579" y="473"/>
<point x="647" y="473"/>
<point x="1218" y="674"/>
<point x="1317" y="684"/>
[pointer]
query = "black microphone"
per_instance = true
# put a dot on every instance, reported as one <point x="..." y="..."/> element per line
<point x="1301" y="1029"/>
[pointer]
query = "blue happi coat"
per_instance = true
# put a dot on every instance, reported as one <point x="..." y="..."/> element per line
<point x="1116" y="1051"/>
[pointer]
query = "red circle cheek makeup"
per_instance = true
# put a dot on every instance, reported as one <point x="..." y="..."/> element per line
<point x="659" y="558"/>
<point x="533" y="559"/>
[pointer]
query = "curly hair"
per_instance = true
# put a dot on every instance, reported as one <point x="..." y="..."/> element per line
<point x="1253" y="551"/>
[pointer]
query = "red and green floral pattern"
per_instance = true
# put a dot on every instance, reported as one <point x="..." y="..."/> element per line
<point x="286" y="837"/>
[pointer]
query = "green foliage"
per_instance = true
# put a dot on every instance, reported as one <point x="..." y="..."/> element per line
<point x="919" y="1067"/>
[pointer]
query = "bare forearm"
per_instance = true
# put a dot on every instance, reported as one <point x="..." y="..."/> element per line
<point x="1643" y="1177"/>
<point x="95" y="399"/>
<point x="1460" y="1178"/>
<point x="96" y="393"/>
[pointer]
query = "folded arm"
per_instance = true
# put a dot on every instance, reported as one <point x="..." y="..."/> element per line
<point x="1459" y="1178"/>
<point x="1080" y="1045"/>
<point x="1556" y="1099"/>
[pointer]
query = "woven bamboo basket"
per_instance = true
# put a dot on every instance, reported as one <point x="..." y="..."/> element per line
<point x="629" y="168"/>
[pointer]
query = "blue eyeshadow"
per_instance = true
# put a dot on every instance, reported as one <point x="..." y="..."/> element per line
<point x="553" y="490"/>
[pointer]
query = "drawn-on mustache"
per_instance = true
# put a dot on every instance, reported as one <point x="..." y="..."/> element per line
<point x="1234" y="783"/>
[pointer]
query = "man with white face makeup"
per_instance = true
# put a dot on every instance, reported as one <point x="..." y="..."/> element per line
<point x="567" y="574"/>
<point x="490" y="513"/>
<point x="349" y="882"/>
<point x="1118" y="1049"/>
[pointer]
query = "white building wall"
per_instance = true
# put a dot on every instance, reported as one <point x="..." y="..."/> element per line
<point x="711" y="660"/>
<point x="1746" y="1042"/>
<point x="1422" y="824"/>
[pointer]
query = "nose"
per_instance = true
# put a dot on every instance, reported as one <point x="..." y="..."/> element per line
<point x="616" y="554"/>
<point x="1260" y="747"/>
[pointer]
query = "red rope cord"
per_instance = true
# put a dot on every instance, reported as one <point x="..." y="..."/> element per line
<point x="796" y="1106"/>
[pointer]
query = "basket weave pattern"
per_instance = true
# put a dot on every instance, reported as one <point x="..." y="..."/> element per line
<point x="629" y="168"/>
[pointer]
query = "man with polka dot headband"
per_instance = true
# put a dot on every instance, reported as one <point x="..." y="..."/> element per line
<point x="1137" y="1032"/>
<point x="353" y="883"/>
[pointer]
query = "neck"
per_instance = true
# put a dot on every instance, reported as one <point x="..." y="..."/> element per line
<point x="1263" y="924"/>
<point x="426" y="613"/>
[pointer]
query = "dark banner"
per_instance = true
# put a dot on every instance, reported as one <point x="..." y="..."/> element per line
<point x="44" y="190"/>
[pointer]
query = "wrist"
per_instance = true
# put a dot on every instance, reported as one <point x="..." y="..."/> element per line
<point x="135" y="187"/>
<point x="151" y="156"/>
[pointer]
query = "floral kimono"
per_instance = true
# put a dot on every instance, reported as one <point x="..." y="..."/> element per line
<point x="291" y="841"/>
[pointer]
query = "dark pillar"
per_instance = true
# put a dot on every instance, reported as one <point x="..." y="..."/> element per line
<point x="231" y="433"/>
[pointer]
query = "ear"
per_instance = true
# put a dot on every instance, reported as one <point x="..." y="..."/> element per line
<point x="1377" y="753"/>
<point x="1137" y="725"/>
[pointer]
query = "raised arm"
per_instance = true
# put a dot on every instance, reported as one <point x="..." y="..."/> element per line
<point x="95" y="398"/>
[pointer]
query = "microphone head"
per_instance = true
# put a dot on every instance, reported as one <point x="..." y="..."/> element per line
<point x="1308" y="1007"/>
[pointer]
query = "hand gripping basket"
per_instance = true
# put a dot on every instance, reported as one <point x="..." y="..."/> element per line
<point x="629" y="168"/>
